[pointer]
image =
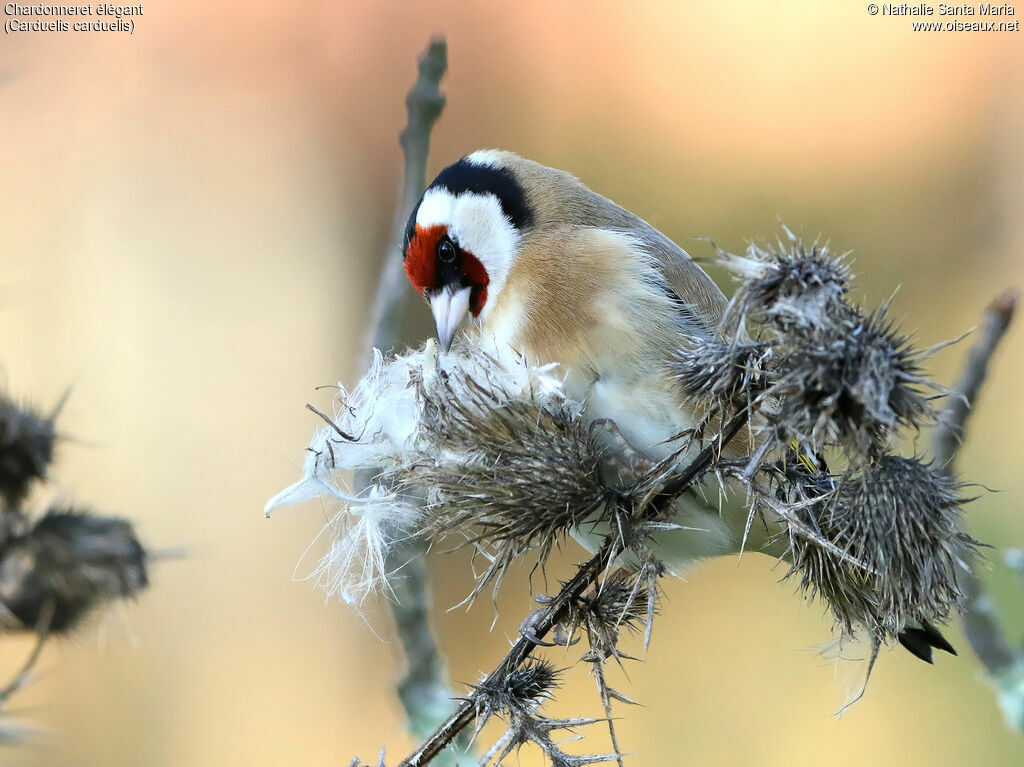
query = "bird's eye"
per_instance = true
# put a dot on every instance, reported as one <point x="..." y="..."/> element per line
<point x="446" y="250"/>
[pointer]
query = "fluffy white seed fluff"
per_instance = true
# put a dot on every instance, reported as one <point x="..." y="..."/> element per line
<point x="377" y="427"/>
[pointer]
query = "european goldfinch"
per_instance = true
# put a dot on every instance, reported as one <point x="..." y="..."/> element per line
<point x="560" y="274"/>
<point x="552" y="271"/>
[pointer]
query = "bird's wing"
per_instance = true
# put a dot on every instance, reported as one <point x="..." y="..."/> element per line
<point x="559" y="199"/>
<point x="698" y="294"/>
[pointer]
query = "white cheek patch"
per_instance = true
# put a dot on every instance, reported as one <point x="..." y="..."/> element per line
<point x="477" y="224"/>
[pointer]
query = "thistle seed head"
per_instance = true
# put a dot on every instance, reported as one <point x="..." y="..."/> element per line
<point x="623" y="599"/>
<point x="885" y="548"/>
<point x="515" y="697"/>
<point x="851" y="382"/>
<point x="510" y="472"/>
<point x="26" y="449"/>
<point x="70" y="562"/>
<point x="722" y="374"/>
<point x="492" y="449"/>
<point x="821" y="372"/>
<point x="786" y="284"/>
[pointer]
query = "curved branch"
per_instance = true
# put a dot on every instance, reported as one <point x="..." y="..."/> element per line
<point x="423" y="689"/>
<point x="981" y="623"/>
<point x="952" y="424"/>
<point x="424" y="104"/>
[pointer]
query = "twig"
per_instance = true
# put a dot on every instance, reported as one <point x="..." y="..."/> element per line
<point x="586" y="575"/>
<point x="546" y="619"/>
<point x="42" y="634"/>
<point x="981" y="623"/>
<point x="424" y="104"/>
<point x="953" y="423"/>
<point x="423" y="690"/>
<point x="984" y="632"/>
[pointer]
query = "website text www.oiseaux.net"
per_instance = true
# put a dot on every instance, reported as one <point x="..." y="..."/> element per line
<point x="980" y="17"/>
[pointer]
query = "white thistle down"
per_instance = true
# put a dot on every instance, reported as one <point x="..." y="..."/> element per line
<point x="379" y="427"/>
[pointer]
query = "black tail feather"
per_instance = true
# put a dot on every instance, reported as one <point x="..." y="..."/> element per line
<point x="920" y="641"/>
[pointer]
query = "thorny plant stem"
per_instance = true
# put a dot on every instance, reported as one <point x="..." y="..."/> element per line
<point x="423" y="689"/>
<point x="586" y="575"/>
<point x="521" y="650"/>
<point x="981" y="624"/>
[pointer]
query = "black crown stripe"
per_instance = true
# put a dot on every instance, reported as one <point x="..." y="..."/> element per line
<point x="465" y="176"/>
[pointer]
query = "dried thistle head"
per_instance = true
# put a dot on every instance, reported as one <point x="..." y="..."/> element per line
<point x="881" y="540"/>
<point x="827" y="374"/>
<point x="884" y="547"/>
<point x="492" y="449"/>
<point x="622" y="600"/>
<point x="849" y="382"/>
<point x="785" y="284"/>
<point x="26" y="448"/>
<point x="512" y="473"/>
<point x="627" y="599"/>
<point x="720" y="374"/>
<point x="69" y="562"/>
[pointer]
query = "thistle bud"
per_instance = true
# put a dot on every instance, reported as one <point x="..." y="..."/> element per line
<point x="519" y="691"/>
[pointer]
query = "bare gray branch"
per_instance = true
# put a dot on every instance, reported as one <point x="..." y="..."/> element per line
<point x="980" y="620"/>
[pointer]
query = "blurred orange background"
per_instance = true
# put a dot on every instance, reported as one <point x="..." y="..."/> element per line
<point x="192" y="222"/>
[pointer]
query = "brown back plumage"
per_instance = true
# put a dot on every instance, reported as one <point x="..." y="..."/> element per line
<point x="559" y="198"/>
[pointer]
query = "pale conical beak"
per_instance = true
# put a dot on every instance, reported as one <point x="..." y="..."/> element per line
<point x="449" y="307"/>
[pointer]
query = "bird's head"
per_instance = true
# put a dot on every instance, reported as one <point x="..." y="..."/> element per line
<point x="463" y="237"/>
